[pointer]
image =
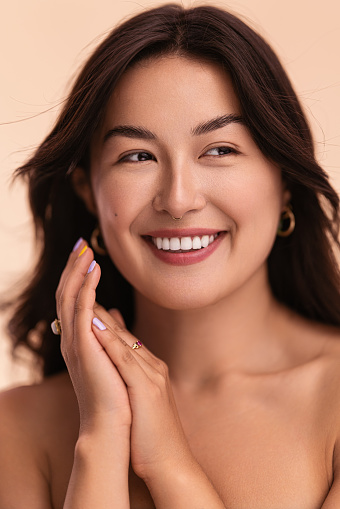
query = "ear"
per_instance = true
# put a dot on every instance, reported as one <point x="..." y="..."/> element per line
<point x="82" y="187"/>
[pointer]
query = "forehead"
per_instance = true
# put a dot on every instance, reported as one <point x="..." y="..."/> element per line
<point x="156" y="87"/>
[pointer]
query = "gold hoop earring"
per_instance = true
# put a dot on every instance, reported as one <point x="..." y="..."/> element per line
<point x="97" y="242"/>
<point x="284" y="229"/>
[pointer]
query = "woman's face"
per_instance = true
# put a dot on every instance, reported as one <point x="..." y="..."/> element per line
<point x="173" y="145"/>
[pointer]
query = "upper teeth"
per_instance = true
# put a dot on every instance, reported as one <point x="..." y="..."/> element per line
<point x="183" y="243"/>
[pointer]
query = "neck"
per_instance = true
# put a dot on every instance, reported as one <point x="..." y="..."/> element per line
<point x="235" y="333"/>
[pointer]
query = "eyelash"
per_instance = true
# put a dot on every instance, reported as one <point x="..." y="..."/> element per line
<point x="150" y="157"/>
<point x="142" y="152"/>
<point x="222" y="147"/>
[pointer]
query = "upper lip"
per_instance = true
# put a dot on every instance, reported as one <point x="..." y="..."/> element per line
<point x="183" y="232"/>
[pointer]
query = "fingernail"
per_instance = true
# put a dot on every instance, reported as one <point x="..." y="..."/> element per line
<point x="82" y="251"/>
<point x="98" y="323"/>
<point x="77" y="244"/>
<point x="92" y="266"/>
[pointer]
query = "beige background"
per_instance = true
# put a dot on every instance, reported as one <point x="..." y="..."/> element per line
<point x="43" y="43"/>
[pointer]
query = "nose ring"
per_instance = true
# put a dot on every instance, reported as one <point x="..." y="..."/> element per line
<point x="176" y="218"/>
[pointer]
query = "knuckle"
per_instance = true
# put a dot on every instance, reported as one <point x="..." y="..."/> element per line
<point x="117" y="327"/>
<point x="61" y="299"/>
<point x="78" y="308"/>
<point x="86" y="284"/>
<point x="155" y="391"/>
<point x="161" y="379"/>
<point x="110" y="339"/>
<point x="97" y="308"/>
<point x="81" y="304"/>
<point x="163" y="369"/>
<point x="127" y="356"/>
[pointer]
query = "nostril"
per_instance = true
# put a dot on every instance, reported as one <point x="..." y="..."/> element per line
<point x="177" y="199"/>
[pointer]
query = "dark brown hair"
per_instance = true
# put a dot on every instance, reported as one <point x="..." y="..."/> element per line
<point x="303" y="271"/>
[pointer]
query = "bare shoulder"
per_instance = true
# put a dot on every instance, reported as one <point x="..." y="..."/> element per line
<point x="319" y="346"/>
<point x="55" y="384"/>
<point x="329" y="389"/>
<point x="29" y="417"/>
<point x="329" y="397"/>
<point x="33" y="407"/>
<point x="311" y="360"/>
<point x="310" y="344"/>
<point x="38" y="412"/>
<point x="319" y="351"/>
<point x="326" y="341"/>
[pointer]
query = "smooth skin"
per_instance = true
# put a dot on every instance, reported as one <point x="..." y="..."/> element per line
<point x="233" y="400"/>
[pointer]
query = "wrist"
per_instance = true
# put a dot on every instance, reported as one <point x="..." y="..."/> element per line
<point x="183" y="486"/>
<point x="103" y="438"/>
<point x="100" y="472"/>
<point x="99" y="426"/>
<point x="104" y="451"/>
<point x="174" y="471"/>
<point x="165" y="461"/>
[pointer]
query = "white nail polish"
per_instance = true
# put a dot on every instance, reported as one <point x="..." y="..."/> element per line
<point x="92" y="266"/>
<point x="98" y="323"/>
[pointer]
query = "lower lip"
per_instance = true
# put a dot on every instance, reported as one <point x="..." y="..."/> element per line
<point x="195" y="256"/>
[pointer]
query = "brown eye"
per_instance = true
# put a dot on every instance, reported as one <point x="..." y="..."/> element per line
<point x="137" y="157"/>
<point x="219" y="151"/>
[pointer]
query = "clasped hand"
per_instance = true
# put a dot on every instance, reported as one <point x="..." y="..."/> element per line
<point x="117" y="387"/>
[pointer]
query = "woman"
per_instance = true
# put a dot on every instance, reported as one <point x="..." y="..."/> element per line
<point x="184" y="155"/>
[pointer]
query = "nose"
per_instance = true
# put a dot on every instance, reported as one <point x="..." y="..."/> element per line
<point x="180" y="191"/>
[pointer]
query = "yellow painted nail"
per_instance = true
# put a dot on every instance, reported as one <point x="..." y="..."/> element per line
<point x="82" y="251"/>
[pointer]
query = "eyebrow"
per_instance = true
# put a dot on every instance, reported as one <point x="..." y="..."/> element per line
<point x="142" y="133"/>
<point x="216" y="123"/>
<point x="130" y="131"/>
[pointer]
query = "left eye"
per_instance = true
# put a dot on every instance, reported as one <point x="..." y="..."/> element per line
<point x="219" y="151"/>
<point x="137" y="157"/>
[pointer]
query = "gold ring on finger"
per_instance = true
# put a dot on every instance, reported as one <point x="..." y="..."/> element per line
<point x="136" y="345"/>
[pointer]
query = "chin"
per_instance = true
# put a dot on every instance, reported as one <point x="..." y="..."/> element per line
<point x="182" y="301"/>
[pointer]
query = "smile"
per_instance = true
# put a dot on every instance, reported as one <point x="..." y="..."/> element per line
<point x="183" y="244"/>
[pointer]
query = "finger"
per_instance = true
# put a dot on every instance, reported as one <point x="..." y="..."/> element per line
<point x="78" y="248"/>
<point x="113" y="321"/>
<point x="85" y="303"/>
<point x="79" y="245"/>
<point x="90" y="368"/>
<point x="86" y="299"/>
<point x="69" y="295"/>
<point x="118" y="342"/>
<point x="116" y="315"/>
<point x="130" y="366"/>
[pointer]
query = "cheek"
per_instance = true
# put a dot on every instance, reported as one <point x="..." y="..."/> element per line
<point x="253" y="202"/>
<point x="120" y="200"/>
<point x="254" y="196"/>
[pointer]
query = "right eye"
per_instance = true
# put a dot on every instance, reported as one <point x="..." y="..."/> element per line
<point x="136" y="157"/>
